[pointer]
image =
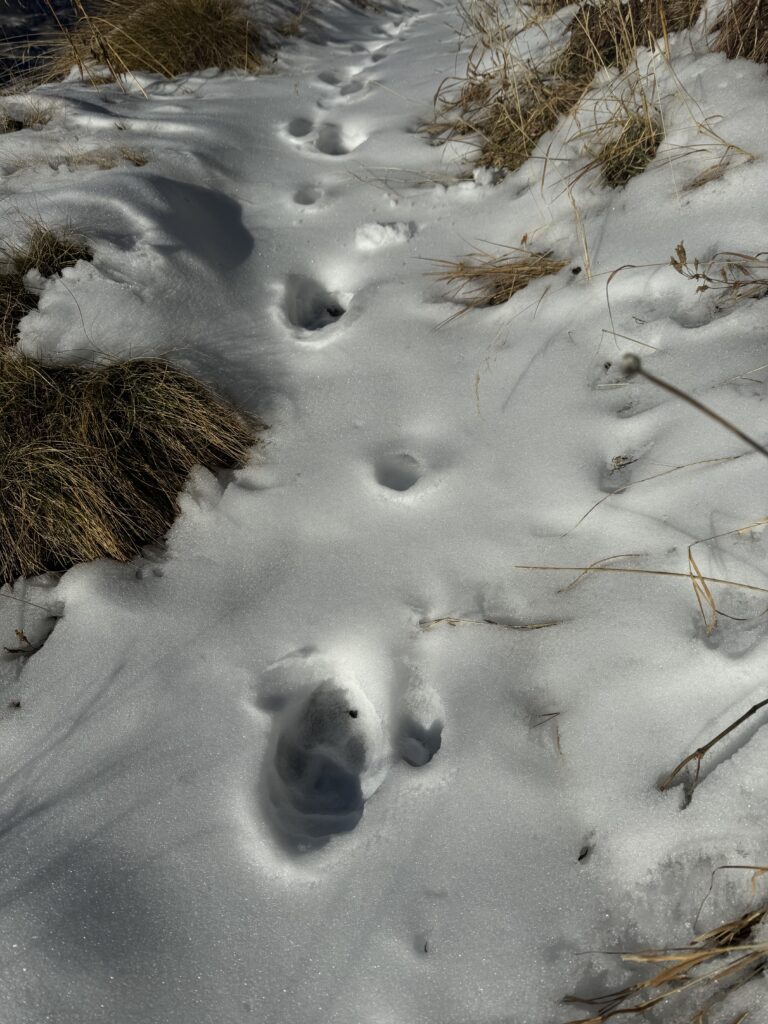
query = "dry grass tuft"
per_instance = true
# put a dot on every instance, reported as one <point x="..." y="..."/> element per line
<point x="292" y="25"/>
<point x="103" y="158"/>
<point x="44" y="250"/>
<point x="522" y="114"/>
<point x="507" y="101"/>
<point x="33" y="115"/>
<point x="606" y="33"/>
<point x="710" y="970"/>
<point x="36" y="115"/>
<point x="92" y="459"/>
<point x="481" y="279"/>
<point x="629" y="153"/>
<point x="9" y="124"/>
<point x="742" y="30"/>
<point x="165" y="37"/>
<point x="504" y="104"/>
<point x="625" y="136"/>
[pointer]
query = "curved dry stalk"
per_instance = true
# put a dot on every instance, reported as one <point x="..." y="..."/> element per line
<point x="646" y="479"/>
<point x="455" y="620"/>
<point x="700" y="752"/>
<point x="585" y="569"/>
<point x="633" y="365"/>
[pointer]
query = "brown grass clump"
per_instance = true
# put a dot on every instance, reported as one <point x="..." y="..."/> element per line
<point x="606" y="33"/>
<point x="714" y="966"/>
<point x="506" y="109"/>
<point x="292" y="25"/>
<point x="92" y="459"/>
<point x="34" y="115"/>
<point x="44" y="250"/>
<point x="519" y="118"/>
<point x="630" y="152"/>
<point x="104" y="158"/>
<point x="626" y="139"/>
<point x="508" y="102"/>
<point x="9" y="124"/>
<point x="482" y="279"/>
<point x="742" y="30"/>
<point x="165" y="37"/>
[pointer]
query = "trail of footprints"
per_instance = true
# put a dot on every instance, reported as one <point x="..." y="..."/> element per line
<point x="308" y="306"/>
<point x="329" y="749"/>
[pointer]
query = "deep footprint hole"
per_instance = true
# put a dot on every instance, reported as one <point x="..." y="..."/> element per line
<point x="332" y="140"/>
<point x="309" y="305"/>
<point x="307" y="195"/>
<point x="420" y="743"/>
<point x="299" y="127"/>
<point x="397" y="471"/>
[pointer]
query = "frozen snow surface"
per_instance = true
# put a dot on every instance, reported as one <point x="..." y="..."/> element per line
<point x="246" y="781"/>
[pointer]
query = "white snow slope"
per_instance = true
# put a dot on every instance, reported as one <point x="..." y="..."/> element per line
<point x="218" y="798"/>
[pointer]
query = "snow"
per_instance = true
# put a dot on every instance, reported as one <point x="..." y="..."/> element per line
<point x="195" y="827"/>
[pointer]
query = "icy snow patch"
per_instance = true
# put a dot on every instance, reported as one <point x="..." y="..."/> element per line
<point x="369" y="237"/>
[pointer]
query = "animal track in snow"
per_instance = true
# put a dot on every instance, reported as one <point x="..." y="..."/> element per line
<point x="334" y="140"/>
<point x="307" y="195"/>
<point x="299" y="127"/>
<point x="328" y="758"/>
<point x="420" y="728"/>
<point x="309" y="305"/>
<point x="397" y="471"/>
<point x="330" y="750"/>
<point x="355" y="85"/>
<point x="329" y="78"/>
<point x="343" y="89"/>
<point x="328" y="138"/>
<point x="420" y="743"/>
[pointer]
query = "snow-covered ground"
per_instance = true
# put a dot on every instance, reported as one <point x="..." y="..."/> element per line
<point x="246" y="781"/>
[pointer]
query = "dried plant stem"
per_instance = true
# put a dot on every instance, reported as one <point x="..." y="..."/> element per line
<point x="717" y="963"/>
<point x="698" y="754"/>
<point x="633" y="365"/>
<point x="584" y="569"/>
<point x="453" y="620"/>
<point x="646" y="479"/>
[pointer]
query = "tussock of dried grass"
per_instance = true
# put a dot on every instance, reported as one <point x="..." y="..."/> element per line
<point x="508" y="103"/>
<point x="9" y="124"/>
<point x="627" y="133"/>
<point x="44" y="250"/>
<point x="607" y="33"/>
<point x="714" y="966"/>
<point x="517" y="121"/>
<point x="103" y="158"/>
<point x="34" y="115"/>
<point x="92" y="459"/>
<point x="482" y="279"/>
<point x="166" y="37"/>
<point x="742" y="30"/>
<point x="633" y="148"/>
